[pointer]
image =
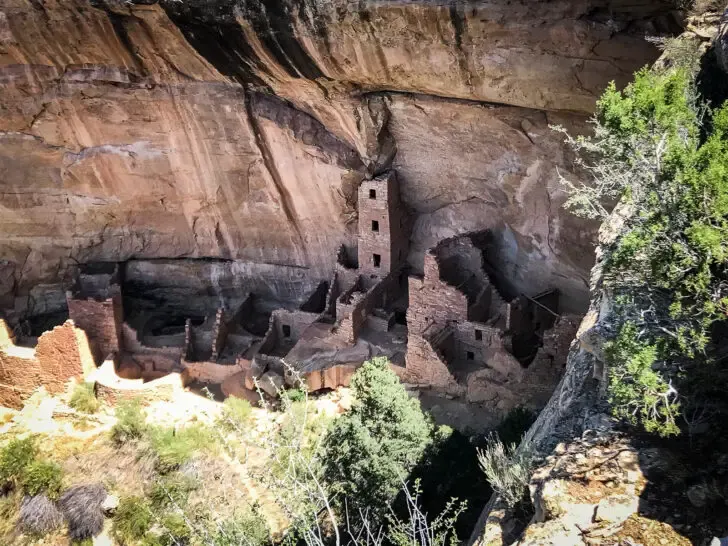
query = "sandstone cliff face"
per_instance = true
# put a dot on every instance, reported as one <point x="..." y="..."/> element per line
<point x="240" y="130"/>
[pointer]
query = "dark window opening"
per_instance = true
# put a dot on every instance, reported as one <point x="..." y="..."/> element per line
<point x="478" y="334"/>
<point x="377" y="260"/>
<point x="471" y="355"/>
<point x="375" y="225"/>
<point x="399" y="255"/>
<point x="286" y="330"/>
<point x="372" y="194"/>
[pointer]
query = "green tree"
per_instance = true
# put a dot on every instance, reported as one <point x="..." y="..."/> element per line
<point x="664" y="156"/>
<point x="370" y="450"/>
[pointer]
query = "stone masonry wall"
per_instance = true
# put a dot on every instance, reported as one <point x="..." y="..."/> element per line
<point x="382" y="226"/>
<point x="432" y="300"/>
<point x="100" y="319"/>
<point x="296" y="321"/>
<point x="425" y="366"/>
<point x="61" y="354"/>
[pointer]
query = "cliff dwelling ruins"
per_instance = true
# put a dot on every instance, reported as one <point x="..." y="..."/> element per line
<point x="450" y="333"/>
<point x="214" y="194"/>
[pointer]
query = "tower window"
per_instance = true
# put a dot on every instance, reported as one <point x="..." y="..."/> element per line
<point x="377" y="259"/>
<point x="286" y="330"/>
<point x="471" y="355"/>
<point x="479" y="334"/>
<point x="372" y="194"/>
<point x="375" y="225"/>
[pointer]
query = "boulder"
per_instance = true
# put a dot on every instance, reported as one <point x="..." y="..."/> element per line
<point x="271" y="384"/>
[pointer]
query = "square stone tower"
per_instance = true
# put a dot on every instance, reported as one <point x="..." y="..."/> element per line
<point x="383" y="234"/>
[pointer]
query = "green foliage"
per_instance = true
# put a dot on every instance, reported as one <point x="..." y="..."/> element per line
<point x="370" y="450"/>
<point x="132" y="519"/>
<point x="44" y="477"/>
<point x="131" y="422"/>
<point x="507" y="468"/>
<point x="515" y="425"/>
<point x="294" y="395"/>
<point x="236" y="413"/>
<point x="15" y="458"/>
<point x="172" y="489"/>
<point x="637" y="392"/>
<point x="171" y="447"/>
<point x="84" y="399"/>
<point x="667" y="265"/>
<point x="249" y="528"/>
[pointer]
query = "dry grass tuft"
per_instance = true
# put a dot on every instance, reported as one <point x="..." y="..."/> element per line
<point x="81" y="506"/>
<point x="39" y="515"/>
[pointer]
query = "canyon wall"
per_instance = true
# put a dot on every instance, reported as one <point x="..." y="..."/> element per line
<point x="240" y="130"/>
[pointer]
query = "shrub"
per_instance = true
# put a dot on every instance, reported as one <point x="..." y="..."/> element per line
<point x="371" y="449"/>
<point x="39" y="515"/>
<point x="249" y="529"/>
<point x="43" y="477"/>
<point x="132" y="519"/>
<point x="236" y="413"/>
<point x="84" y="399"/>
<point x="81" y="506"/>
<point x="294" y="395"/>
<point x="130" y="422"/>
<point x="15" y="459"/>
<point x="171" y="447"/>
<point x="508" y="470"/>
<point x="174" y="488"/>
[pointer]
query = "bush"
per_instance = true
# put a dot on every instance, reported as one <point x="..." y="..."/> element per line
<point x="81" y="506"/>
<point x="294" y="395"/>
<point x="15" y="459"/>
<point x="508" y="470"/>
<point x="132" y="520"/>
<point x="236" y="413"/>
<point x="84" y="399"/>
<point x="249" y="529"/>
<point x="130" y="422"/>
<point x="39" y="515"/>
<point x="43" y="477"/>
<point x="172" y="489"/>
<point x="370" y="450"/>
<point x="171" y="447"/>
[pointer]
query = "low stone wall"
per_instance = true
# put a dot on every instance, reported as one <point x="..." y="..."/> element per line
<point x="111" y="388"/>
<point x="61" y="354"/>
<point x="152" y="359"/>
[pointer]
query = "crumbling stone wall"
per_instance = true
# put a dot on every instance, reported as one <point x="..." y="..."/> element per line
<point x="354" y="306"/>
<point x="151" y="359"/>
<point x="61" y="354"/>
<point x="427" y="366"/>
<point x="100" y="319"/>
<point x="432" y="301"/>
<point x="290" y="325"/>
<point x="475" y="339"/>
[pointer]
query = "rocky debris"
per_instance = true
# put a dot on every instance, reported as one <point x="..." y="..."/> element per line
<point x="585" y="491"/>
